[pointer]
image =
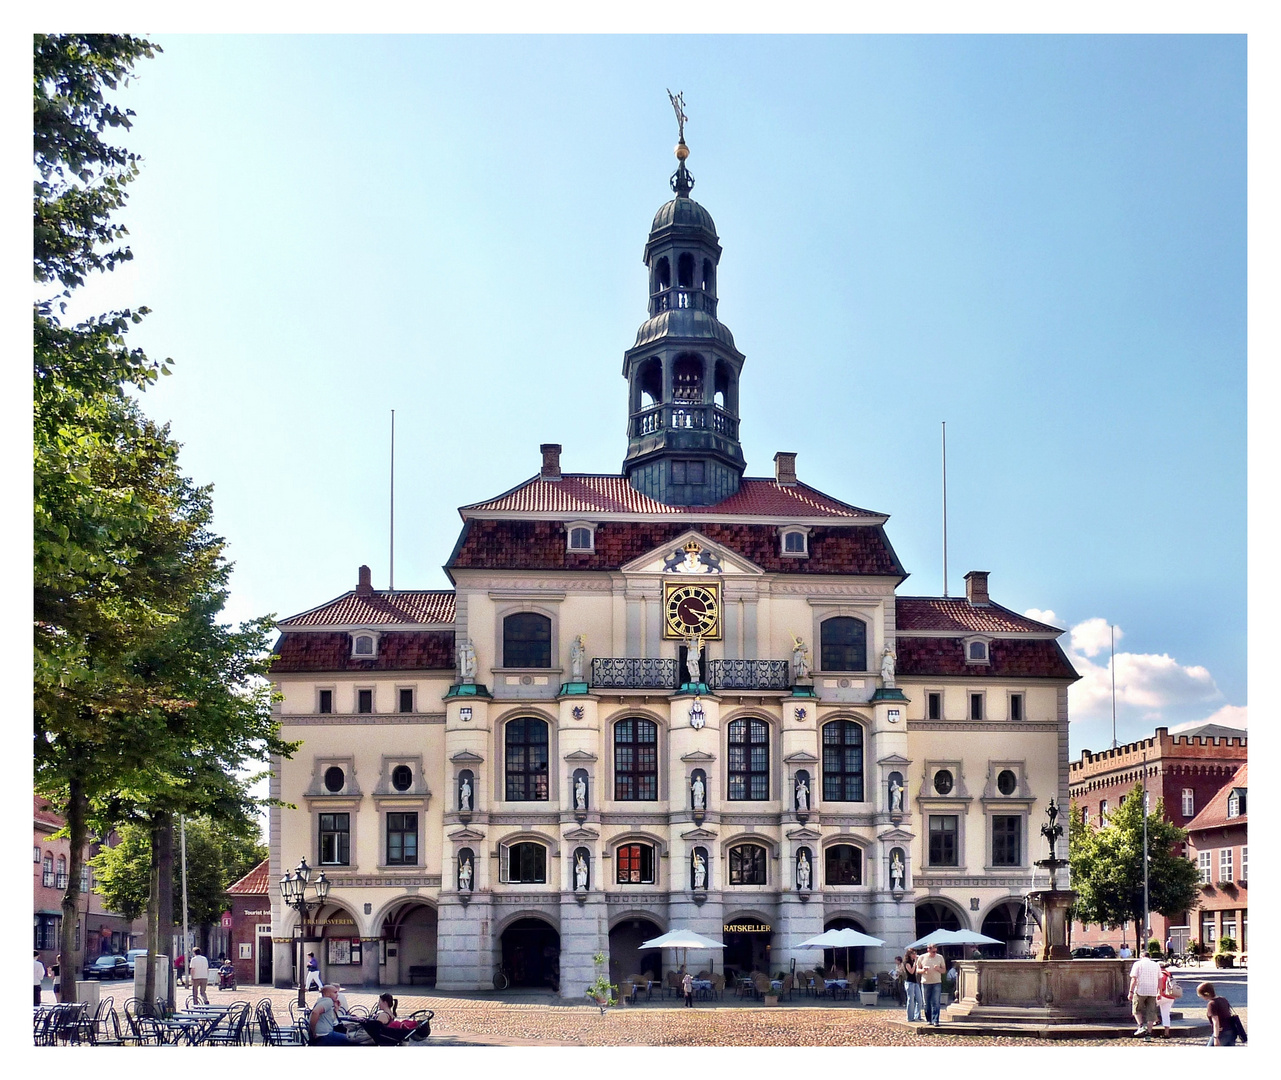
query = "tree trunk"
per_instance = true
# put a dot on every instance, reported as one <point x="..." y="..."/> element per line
<point x="68" y="961"/>
<point x="153" y="913"/>
<point x="164" y="888"/>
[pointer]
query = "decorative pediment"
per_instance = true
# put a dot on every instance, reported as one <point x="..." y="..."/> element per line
<point x="467" y="835"/>
<point x="581" y="834"/>
<point x="698" y="757"/>
<point x="710" y="560"/>
<point x="896" y="836"/>
<point x="699" y="834"/>
<point x="894" y="759"/>
<point x="466" y="757"/>
<point x="580" y="755"/>
<point x="800" y="757"/>
<point x="804" y="833"/>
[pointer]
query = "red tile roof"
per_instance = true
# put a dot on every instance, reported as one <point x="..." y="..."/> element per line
<point x="254" y="883"/>
<point x="522" y="544"/>
<point x="1010" y="658"/>
<point x="588" y="495"/>
<point x="410" y="650"/>
<point x="379" y="609"/>
<point x="44" y="813"/>
<point x="954" y="614"/>
<point x="1214" y="814"/>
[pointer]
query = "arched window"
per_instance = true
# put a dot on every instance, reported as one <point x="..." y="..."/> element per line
<point x="364" y="645"/>
<point x="580" y="539"/>
<point x="747" y="864"/>
<point x="748" y="760"/>
<point x="46" y="871"/>
<point x="636" y="760"/>
<point x="649" y="379"/>
<point x="794" y="543"/>
<point x="634" y="864"/>
<point x="526" y="864"/>
<point x="662" y="274"/>
<point x="526" y="757"/>
<point x="527" y="640"/>
<point x="709" y="276"/>
<point x="843" y="644"/>
<point x="843" y="865"/>
<point x="685" y="270"/>
<point x="687" y="379"/>
<point x="843" y="761"/>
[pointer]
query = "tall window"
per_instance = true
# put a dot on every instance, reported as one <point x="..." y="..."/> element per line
<point x="943" y="846"/>
<point x="527" y="864"/>
<point x="526" y="743"/>
<point x="934" y="705"/>
<point x="1203" y="866"/>
<point x="1225" y="864"/>
<point x="1016" y="707"/>
<point x="843" y="865"/>
<point x="364" y="701"/>
<point x="748" y="759"/>
<point x="1209" y="933"/>
<point x="635" y="864"/>
<point x="46" y="875"/>
<point x="843" y="644"/>
<point x="1103" y="812"/>
<point x="1006" y="840"/>
<point x="1244" y="851"/>
<point x="406" y="696"/>
<point x="62" y="872"/>
<point x="402" y="839"/>
<point x="976" y="706"/>
<point x="1189" y="804"/>
<point x="636" y="760"/>
<point x="747" y="864"/>
<point x="527" y="640"/>
<point x="335" y="839"/>
<point x="325" y="702"/>
<point x="843" y="761"/>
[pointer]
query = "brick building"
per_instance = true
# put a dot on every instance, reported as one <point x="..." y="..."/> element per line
<point x="1185" y="771"/>
<point x="250" y="944"/>
<point x="1217" y="844"/>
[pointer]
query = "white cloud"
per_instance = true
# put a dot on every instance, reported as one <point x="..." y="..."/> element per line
<point x="1094" y="636"/>
<point x="1042" y="616"/>
<point x="1229" y="716"/>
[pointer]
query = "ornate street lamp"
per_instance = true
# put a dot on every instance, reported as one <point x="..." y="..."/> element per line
<point x="293" y="890"/>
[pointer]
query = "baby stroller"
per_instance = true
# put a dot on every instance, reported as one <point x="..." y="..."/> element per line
<point x="416" y="1028"/>
<point x="227" y="976"/>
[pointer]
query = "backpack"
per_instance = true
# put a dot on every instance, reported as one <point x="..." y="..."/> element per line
<point x="1172" y="988"/>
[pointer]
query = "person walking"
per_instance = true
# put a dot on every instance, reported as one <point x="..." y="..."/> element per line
<point x="931" y="967"/>
<point x="56" y="972"/>
<point x="912" y="987"/>
<point x="40" y="973"/>
<point x="199" y="970"/>
<point x="687" y="988"/>
<point x="313" y="972"/>
<point x="1167" y="991"/>
<point x="1145" y="979"/>
<point x="1219" y="1012"/>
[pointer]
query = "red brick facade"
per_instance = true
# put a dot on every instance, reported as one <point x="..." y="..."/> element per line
<point x="1217" y="842"/>
<point x="251" y="908"/>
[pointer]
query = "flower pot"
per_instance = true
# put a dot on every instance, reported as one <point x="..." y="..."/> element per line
<point x="867" y="997"/>
<point x="1223" y="960"/>
<point x="771" y="999"/>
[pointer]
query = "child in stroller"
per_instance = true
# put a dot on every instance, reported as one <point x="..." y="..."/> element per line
<point x="226" y="975"/>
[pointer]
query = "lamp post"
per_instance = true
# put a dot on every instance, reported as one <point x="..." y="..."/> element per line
<point x="293" y="890"/>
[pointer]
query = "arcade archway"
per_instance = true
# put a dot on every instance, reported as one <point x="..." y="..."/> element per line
<point x="408" y="945"/>
<point x="933" y="915"/>
<point x="836" y="958"/>
<point x="748" y="943"/>
<point x="1007" y="922"/>
<point x="530" y="950"/>
<point x="626" y="957"/>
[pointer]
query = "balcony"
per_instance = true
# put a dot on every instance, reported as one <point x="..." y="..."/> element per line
<point x="633" y="673"/>
<point x="749" y="675"/>
<point x="684" y="416"/>
<point x="682" y="298"/>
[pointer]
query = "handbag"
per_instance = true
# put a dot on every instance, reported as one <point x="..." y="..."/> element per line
<point x="1239" y="1028"/>
<point x="1172" y="988"/>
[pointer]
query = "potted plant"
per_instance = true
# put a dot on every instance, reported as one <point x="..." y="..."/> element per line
<point x="1224" y="957"/>
<point x="867" y="992"/>
<point x="601" y="992"/>
<point x="1154" y="949"/>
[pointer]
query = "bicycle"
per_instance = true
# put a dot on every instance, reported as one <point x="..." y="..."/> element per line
<point x="501" y="981"/>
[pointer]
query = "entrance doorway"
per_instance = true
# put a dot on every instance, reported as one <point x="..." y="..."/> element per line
<point x="625" y="954"/>
<point x="836" y="958"/>
<point x="531" y="954"/>
<point x="1007" y="923"/>
<point x="409" y="930"/>
<point x="263" y="933"/>
<point x="748" y="943"/>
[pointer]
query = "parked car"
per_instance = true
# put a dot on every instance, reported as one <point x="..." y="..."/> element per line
<point x="1104" y="952"/>
<point x="1083" y="952"/>
<point x="108" y="967"/>
<point x="1094" y="952"/>
<point x="132" y="958"/>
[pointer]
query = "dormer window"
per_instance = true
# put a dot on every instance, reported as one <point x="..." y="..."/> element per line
<point x="794" y="542"/>
<point x="364" y="645"/>
<point x="976" y="651"/>
<point x="580" y="536"/>
<point x="1236" y="802"/>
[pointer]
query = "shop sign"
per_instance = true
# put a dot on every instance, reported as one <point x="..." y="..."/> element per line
<point x="748" y="928"/>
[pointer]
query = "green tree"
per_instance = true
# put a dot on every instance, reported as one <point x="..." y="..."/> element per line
<point x="1107" y="866"/>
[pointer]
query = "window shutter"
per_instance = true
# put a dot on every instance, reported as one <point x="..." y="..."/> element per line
<point x="503" y="858"/>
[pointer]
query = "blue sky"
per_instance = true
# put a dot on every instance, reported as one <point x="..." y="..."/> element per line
<point x="1040" y="240"/>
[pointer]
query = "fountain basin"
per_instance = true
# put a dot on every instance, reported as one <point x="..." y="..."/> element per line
<point x="1041" y="991"/>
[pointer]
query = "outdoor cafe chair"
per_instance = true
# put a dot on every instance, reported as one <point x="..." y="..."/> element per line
<point x="272" y="1033"/>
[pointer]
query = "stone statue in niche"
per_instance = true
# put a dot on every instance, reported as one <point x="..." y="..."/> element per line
<point x="464" y="874"/>
<point x="580" y="872"/>
<point x="700" y="871"/>
<point x="467" y="661"/>
<point x="580" y="793"/>
<point x="800" y="660"/>
<point x="802" y="796"/>
<point x="887" y="668"/>
<point x="577" y="657"/>
<point x="698" y="793"/>
<point x="896" y="796"/>
<point x="896" y="871"/>
<point x="693" y="667"/>
<point x="464" y="794"/>
<point x="803" y="871"/>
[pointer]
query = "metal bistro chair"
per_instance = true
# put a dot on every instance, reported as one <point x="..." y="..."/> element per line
<point x="272" y="1033"/>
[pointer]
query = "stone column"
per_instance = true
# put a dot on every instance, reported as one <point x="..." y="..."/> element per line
<point x="369" y="961"/>
<point x="464" y="944"/>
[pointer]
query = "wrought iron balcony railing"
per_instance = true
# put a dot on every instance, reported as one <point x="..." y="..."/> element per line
<point x="633" y="673"/>
<point x="749" y="674"/>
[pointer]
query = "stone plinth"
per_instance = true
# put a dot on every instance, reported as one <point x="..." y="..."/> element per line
<point x="1042" y="991"/>
<point x="1054" y="905"/>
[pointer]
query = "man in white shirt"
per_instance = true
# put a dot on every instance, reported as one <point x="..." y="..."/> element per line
<point x="931" y="968"/>
<point x="199" y="972"/>
<point x="1125" y="953"/>
<point x="39" y="977"/>
<point x="1145" y="978"/>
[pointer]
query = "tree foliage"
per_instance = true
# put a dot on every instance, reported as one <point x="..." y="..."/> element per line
<point x="1107" y="865"/>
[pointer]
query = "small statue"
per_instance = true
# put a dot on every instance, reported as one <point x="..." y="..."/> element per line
<point x="802" y="796"/>
<point x="464" y="874"/>
<point x="580" y="793"/>
<point x="698" y="792"/>
<point x="580" y="872"/>
<point x="800" y="660"/>
<point x="803" y="871"/>
<point x="467" y="661"/>
<point x="464" y="795"/>
<point x="577" y="657"/>
<point x="1053" y="830"/>
<point x="896" y="871"/>
<point x="896" y="796"/>
<point x="700" y="871"/>
<point x="887" y="667"/>
<point x="692" y="664"/>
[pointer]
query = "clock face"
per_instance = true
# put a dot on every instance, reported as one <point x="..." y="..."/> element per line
<point x="692" y="610"/>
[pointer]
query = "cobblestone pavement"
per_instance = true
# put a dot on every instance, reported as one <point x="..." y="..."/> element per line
<point x="530" y="1018"/>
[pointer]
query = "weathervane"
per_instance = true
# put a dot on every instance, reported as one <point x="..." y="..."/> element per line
<point x="678" y="103"/>
<point x="682" y="179"/>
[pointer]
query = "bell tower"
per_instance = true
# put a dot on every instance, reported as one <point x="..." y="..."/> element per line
<point x="682" y="373"/>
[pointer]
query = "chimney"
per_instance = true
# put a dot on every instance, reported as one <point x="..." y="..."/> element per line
<point x="976" y="587"/>
<point x="785" y="468"/>
<point x="363" y="587"/>
<point x="551" y="461"/>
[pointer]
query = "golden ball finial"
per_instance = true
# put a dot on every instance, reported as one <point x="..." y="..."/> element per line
<point x="682" y="151"/>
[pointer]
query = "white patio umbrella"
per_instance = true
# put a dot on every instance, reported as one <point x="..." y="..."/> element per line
<point x="938" y="937"/>
<point x="954" y="937"/>
<point x="681" y="939"/>
<point x="846" y="938"/>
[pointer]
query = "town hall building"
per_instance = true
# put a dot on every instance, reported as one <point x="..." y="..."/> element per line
<point x="673" y="696"/>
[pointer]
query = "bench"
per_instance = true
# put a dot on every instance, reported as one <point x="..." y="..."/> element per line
<point x="423" y="973"/>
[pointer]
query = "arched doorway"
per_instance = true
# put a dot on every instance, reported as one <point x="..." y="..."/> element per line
<point x="333" y="934"/>
<point x="625" y="954"/>
<point x="408" y="945"/>
<point x="748" y="939"/>
<point x="836" y="958"/>
<point x="531" y="954"/>
<point x="1008" y="923"/>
